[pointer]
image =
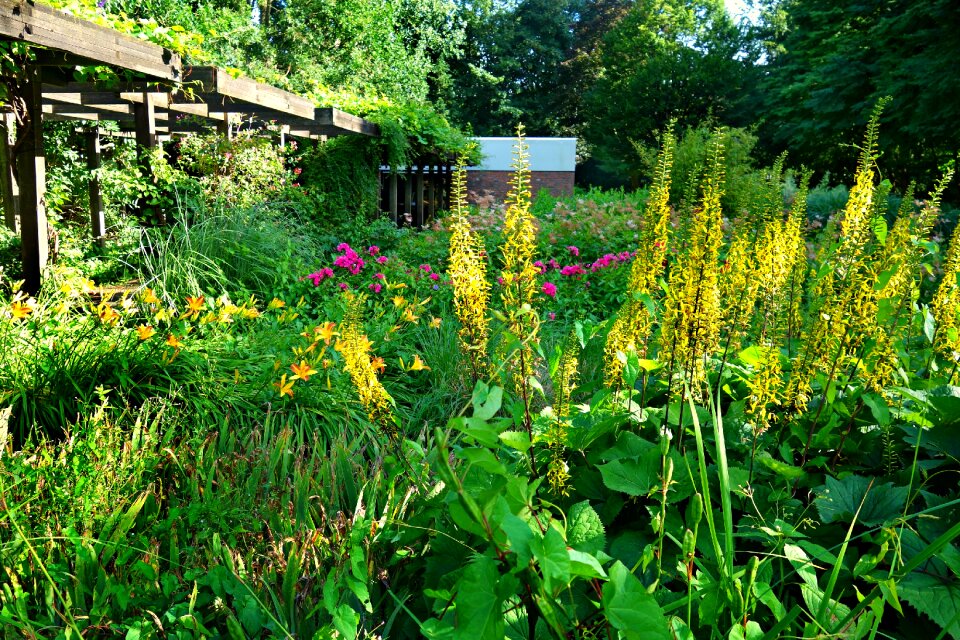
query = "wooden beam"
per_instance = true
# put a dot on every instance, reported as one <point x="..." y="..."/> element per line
<point x="73" y="38"/>
<point x="31" y="171"/>
<point x="253" y="93"/>
<point x="345" y="122"/>
<point x="97" y="220"/>
<point x="8" y="182"/>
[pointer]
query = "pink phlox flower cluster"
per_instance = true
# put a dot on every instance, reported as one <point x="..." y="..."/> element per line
<point x="434" y="276"/>
<point x="376" y="286"/>
<point x="373" y="250"/>
<point x="382" y="260"/>
<point x="550" y="289"/>
<point x="425" y="267"/>
<point x="320" y="276"/>
<point x="343" y="285"/>
<point x="379" y="276"/>
<point x="574" y="251"/>
<point x="611" y="259"/>
<point x="349" y="259"/>
<point x="572" y="270"/>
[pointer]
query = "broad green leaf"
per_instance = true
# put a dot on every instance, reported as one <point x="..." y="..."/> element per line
<point x="630" y="609"/>
<point x="802" y="563"/>
<point x="478" y="429"/>
<point x="479" y="607"/>
<point x="551" y="554"/>
<point x="779" y="467"/>
<point x="751" y="632"/>
<point x="929" y="325"/>
<point x="629" y="445"/>
<point x="584" y="529"/>
<point x="486" y="401"/>
<point x="751" y="356"/>
<point x="519" y="535"/>
<point x="518" y="440"/>
<point x="633" y="477"/>
<point x="345" y="619"/>
<point x="878" y="407"/>
<point x="584" y="564"/>
<point x="937" y="599"/>
<point x="436" y="630"/>
<point x="838" y="500"/>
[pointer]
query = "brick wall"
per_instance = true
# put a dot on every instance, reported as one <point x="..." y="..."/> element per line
<point x="489" y="187"/>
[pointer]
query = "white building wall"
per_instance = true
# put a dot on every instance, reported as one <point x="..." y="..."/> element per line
<point x="546" y="154"/>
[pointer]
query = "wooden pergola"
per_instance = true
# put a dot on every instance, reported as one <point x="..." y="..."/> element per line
<point x="169" y="98"/>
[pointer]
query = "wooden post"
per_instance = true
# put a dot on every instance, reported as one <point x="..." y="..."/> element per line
<point x="418" y="216"/>
<point x="432" y="193"/>
<point x="145" y="119"/>
<point x="31" y="171"/>
<point x="97" y="222"/>
<point x="394" y="196"/>
<point x="8" y="183"/>
<point x="408" y="195"/>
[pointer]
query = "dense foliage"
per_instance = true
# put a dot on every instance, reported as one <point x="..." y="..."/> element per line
<point x="589" y="416"/>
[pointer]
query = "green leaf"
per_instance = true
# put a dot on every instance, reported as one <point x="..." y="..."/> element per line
<point x="584" y="564"/>
<point x="518" y="440"/>
<point x="779" y="467"/>
<point x="751" y="356"/>
<point x="878" y="407"/>
<point x="839" y="500"/>
<point x="551" y="554"/>
<point x="798" y="558"/>
<point x="633" y="477"/>
<point x="486" y="401"/>
<point x="519" y="535"/>
<point x="345" y="619"/>
<point x="928" y="325"/>
<point x="630" y="609"/>
<point x="752" y="631"/>
<point x="584" y="529"/>
<point x="479" y="607"/>
<point x="937" y="599"/>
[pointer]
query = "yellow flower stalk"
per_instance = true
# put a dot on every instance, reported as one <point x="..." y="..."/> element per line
<point x="354" y="346"/>
<point x="690" y="325"/>
<point x="946" y="301"/>
<point x="519" y="290"/>
<point x="765" y="386"/>
<point x="632" y="326"/>
<point x="738" y="288"/>
<point x="845" y="301"/>
<point x="468" y="277"/>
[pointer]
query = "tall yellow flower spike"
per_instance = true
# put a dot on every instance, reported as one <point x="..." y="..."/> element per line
<point x="519" y="292"/>
<point x="468" y="277"/>
<point x="690" y="325"/>
<point x="633" y="323"/>
<point x="354" y="346"/>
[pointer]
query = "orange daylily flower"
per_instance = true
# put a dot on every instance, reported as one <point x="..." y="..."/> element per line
<point x="399" y="301"/>
<point x="106" y="314"/>
<point x="378" y="364"/>
<point x="276" y="303"/>
<point x="302" y="371"/>
<point x="21" y="310"/>
<point x="435" y="323"/>
<point x="172" y="341"/>
<point x="194" y="307"/>
<point x="409" y="316"/>
<point x="284" y="388"/>
<point x="145" y="332"/>
<point x="418" y="364"/>
<point x="326" y="332"/>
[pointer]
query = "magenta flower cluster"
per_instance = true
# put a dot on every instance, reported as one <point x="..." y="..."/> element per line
<point x="348" y="259"/>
